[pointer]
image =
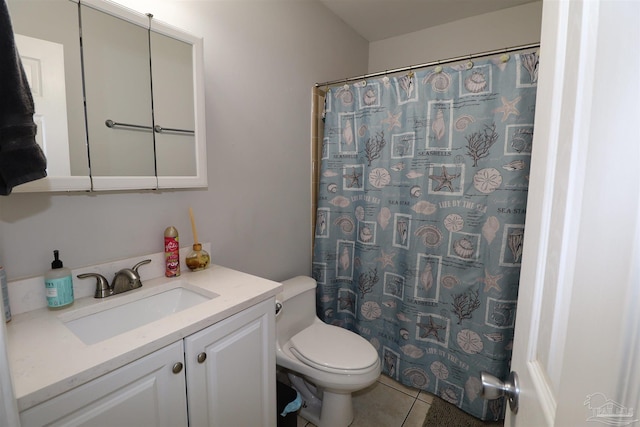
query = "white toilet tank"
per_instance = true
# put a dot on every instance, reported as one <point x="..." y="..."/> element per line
<point x="298" y="312"/>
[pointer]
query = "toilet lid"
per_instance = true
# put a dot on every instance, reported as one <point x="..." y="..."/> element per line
<point x="332" y="348"/>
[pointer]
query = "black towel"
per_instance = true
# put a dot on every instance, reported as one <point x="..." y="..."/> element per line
<point x="21" y="158"/>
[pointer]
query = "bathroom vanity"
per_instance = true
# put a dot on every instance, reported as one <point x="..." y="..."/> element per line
<point x="211" y="362"/>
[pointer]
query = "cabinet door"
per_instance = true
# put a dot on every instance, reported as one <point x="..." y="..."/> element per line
<point x="178" y="107"/>
<point x="173" y="112"/>
<point x="117" y="81"/>
<point x="48" y="39"/>
<point x="143" y="393"/>
<point x="235" y="384"/>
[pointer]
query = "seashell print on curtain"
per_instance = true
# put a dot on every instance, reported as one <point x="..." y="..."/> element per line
<point x="421" y="214"/>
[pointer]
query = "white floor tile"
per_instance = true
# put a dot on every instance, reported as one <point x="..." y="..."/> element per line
<point x="425" y="397"/>
<point x="387" y="403"/>
<point x="380" y="405"/>
<point x="400" y="387"/>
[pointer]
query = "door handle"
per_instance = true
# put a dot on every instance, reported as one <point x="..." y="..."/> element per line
<point x="493" y="388"/>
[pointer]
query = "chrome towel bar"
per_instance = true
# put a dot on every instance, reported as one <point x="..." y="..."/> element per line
<point x="160" y="129"/>
<point x="157" y="128"/>
<point x="111" y="124"/>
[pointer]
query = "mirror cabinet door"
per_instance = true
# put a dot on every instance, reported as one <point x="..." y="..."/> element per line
<point x="173" y="112"/>
<point x="118" y="100"/>
<point x="48" y="41"/>
<point x="178" y="107"/>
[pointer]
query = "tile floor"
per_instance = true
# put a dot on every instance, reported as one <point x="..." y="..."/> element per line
<point x="387" y="403"/>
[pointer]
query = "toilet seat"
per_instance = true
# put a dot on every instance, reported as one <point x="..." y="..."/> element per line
<point x="333" y="349"/>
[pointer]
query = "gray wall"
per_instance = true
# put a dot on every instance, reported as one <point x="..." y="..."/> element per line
<point x="261" y="61"/>
<point x="514" y="26"/>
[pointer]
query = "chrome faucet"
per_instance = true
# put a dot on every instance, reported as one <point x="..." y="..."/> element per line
<point x="123" y="281"/>
<point x="128" y="278"/>
<point x="103" y="289"/>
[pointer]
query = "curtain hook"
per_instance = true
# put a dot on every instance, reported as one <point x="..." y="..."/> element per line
<point x="469" y="64"/>
<point x="385" y="79"/>
<point x="505" y="55"/>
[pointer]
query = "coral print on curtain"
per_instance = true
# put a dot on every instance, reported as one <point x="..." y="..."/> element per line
<point x="420" y="220"/>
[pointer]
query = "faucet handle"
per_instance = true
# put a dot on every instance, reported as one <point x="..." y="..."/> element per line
<point x="102" y="284"/>
<point x="143" y="262"/>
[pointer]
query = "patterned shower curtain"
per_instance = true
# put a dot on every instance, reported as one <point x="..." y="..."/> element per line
<point x="420" y="220"/>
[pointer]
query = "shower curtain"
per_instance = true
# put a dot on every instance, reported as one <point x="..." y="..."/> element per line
<point x="420" y="219"/>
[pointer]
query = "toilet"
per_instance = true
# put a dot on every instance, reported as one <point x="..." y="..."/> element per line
<point x="324" y="363"/>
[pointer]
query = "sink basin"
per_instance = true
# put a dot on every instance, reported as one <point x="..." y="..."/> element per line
<point x="127" y="312"/>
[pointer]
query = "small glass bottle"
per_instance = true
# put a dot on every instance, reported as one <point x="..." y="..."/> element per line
<point x="198" y="258"/>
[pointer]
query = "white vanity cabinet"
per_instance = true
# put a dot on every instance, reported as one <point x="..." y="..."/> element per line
<point x="230" y="370"/>
<point x="221" y="376"/>
<point x="143" y="393"/>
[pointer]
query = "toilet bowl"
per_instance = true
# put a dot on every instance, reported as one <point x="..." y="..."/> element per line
<point x="325" y="363"/>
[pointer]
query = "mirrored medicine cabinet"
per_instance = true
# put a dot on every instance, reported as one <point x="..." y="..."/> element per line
<point x="119" y="96"/>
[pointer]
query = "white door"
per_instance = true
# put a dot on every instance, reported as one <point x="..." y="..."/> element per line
<point x="43" y="63"/>
<point x="576" y="340"/>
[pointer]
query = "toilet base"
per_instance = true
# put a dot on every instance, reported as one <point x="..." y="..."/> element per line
<point x="332" y="410"/>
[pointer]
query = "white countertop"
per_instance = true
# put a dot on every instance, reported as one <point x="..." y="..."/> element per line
<point x="47" y="359"/>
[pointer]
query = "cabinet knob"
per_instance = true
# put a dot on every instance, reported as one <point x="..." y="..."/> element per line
<point x="177" y="368"/>
<point x="202" y="357"/>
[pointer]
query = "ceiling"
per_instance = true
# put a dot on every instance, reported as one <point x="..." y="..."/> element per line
<point x="380" y="19"/>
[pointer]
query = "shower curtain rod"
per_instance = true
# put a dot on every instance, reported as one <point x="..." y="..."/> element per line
<point x="429" y="64"/>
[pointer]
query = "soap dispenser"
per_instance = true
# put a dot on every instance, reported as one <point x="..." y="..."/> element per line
<point x="58" y="283"/>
